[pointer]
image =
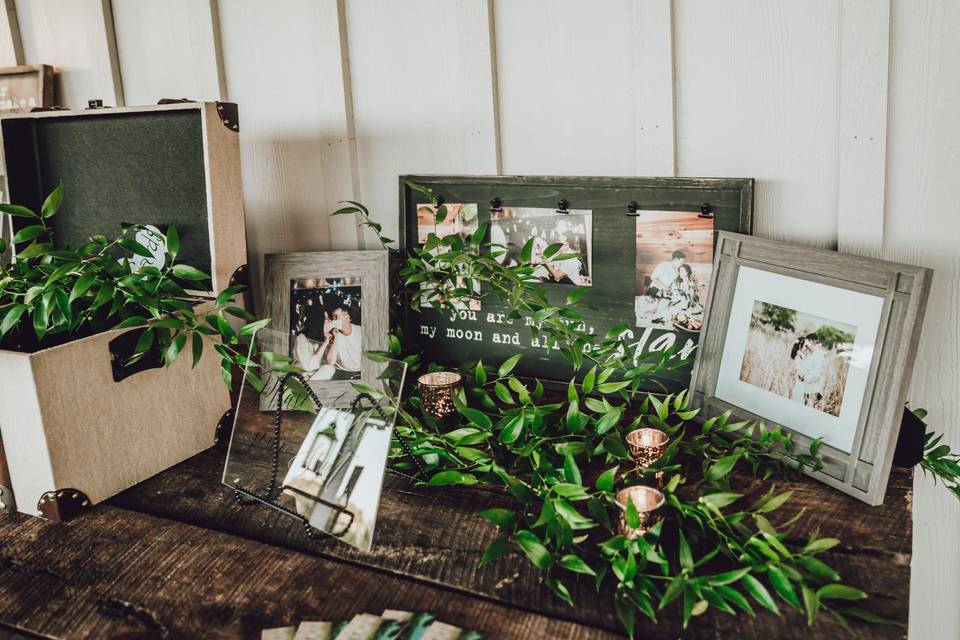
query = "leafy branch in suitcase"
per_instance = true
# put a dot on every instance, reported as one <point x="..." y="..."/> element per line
<point x="562" y="458"/>
<point x="50" y="295"/>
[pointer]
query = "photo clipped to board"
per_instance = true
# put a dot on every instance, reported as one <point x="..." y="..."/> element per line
<point x="569" y="232"/>
<point x="674" y="264"/>
<point x="326" y="328"/>
<point x="456" y="218"/>
<point x="447" y="220"/>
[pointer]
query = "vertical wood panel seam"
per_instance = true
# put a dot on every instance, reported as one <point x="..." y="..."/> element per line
<point x="494" y="84"/>
<point x="838" y="156"/>
<point x="886" y="128"/>
<point x="349" y="114"/>
<point x="674" y="113"/>
<point x="13" y="24"/>
<point x="109" y="29"/>
<point x="217" y="32"/>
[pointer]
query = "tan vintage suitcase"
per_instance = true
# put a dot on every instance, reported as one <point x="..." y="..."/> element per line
<point x="76" y="428"/>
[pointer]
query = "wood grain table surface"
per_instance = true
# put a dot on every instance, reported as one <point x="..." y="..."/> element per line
<point x="177" y="557"/>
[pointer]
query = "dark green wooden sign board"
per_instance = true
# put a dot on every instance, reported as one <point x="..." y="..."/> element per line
<point x="453" y="337"/>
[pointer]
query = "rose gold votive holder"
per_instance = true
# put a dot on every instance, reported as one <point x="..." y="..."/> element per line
<point x="647" y="445"/>
<point x="647" y="501"/>
<point x="436" y="392"/>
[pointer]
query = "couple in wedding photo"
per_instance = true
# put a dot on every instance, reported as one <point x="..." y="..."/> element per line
<point x="671" y="296"/>
<point x="798" y="356"/>
<point x="673" y="267"/>
<point x="327" y="333"/>
<point x="512" y="227"/>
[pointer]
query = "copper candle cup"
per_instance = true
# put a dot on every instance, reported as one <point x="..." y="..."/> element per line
<point x="647" y="445"/>
<point x="436" y="392"/>
<point x="647" y="501"/>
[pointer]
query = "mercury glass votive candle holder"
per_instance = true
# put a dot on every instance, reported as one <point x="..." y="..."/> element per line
<point x="647" y="501"/>
<point x="436" y="392"/>
<point x="646" y="445"/>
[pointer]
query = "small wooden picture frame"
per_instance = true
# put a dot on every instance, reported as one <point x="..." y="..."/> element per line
<point x="818" y="342"/>
<point x="25" y="88"/>
<point x="328" y="310"/>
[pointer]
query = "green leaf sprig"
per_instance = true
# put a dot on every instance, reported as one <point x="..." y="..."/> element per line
<point x="562" y="458"/>
<point x="938" y="460"/>
<point x="51" y="294"/>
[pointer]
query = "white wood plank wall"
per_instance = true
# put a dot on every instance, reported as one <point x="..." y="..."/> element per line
<point x="421" y="78"/>
<point x="844" y="110"/>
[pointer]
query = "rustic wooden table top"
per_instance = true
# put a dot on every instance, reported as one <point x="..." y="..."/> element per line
<point x="177" y="557"/>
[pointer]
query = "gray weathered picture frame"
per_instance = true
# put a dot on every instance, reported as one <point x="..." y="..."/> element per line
<point x="372" y="267"/>
<point x="864" y="470"/>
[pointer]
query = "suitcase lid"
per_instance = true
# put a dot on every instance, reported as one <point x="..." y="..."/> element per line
<point x="159" y="165"/>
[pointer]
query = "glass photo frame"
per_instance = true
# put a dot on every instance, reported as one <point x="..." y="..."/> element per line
<point x="318" y="461"/>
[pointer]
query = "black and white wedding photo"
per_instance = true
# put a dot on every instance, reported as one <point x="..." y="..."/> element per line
<point x="569" y="263"/>
<point x="445" y="221"/>
<point x="326" y="338"/>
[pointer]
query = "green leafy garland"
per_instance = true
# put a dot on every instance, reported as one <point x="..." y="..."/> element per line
<point x="563" y="458"/>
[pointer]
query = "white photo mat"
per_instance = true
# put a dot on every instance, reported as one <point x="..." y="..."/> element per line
<point x="860" y="310"/>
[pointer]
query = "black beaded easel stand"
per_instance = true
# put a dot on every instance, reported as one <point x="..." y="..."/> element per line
<point x="247" y="497"/>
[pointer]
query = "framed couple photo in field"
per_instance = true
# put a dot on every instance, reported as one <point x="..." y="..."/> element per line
<point x="817" y="342"/>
